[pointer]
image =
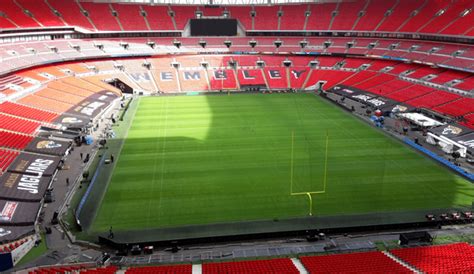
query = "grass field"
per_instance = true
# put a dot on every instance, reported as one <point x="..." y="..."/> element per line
<point x="214" y="159"/>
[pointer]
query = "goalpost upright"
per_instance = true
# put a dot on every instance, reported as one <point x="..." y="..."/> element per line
<point x="308" y="193"/>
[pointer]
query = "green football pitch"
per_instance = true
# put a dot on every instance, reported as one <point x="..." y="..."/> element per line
<point x="191" y="160"/>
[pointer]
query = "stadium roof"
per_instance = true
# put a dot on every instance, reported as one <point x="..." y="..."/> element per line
<point x="211" y="2"/>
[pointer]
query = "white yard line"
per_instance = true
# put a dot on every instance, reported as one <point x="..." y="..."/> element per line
<point x="154" y="165"/>
<point x="163" y="154"/>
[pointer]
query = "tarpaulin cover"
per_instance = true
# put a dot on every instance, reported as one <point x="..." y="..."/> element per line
<point x="94" y="104"/>
<point x="11" y="233"/>
<point x="466" y="140"/>
<point x="23" y="187"/>
<point x="48" y="146"/>
<point x="32" y="164"/>
<point x="18" y="213"/>
<point x="450" y="131"/>
<point x="368" y="98"/>
<point x="72" y="121"/>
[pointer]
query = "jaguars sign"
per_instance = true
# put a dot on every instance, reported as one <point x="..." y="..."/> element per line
<point x="47" y="146"/>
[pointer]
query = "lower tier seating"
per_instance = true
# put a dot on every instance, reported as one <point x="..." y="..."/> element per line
<point x="260" y="266"/>
<point x="453" y="258"/>
<point x="100" y="270"/>
<point x="27" y="112"/>
<point x="469" y="120"/>
<point x="17" y="124"/>
<point x="433" y="99"/>
<point x="366" y="262"/>
<point x="457" y="107"/>
<point x="162" y="269"/>
<point x="14" y="140"/>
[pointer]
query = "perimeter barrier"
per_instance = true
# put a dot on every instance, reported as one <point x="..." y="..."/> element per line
<point x="439" y="159"/>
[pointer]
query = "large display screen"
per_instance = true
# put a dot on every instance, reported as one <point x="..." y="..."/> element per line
<point x="213" y="27"/>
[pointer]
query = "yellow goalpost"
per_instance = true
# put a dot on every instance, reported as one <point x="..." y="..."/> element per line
<point x="308" y="193"/>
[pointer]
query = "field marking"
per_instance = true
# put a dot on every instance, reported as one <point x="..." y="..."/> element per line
<point x="291" y="162"/>
<point x="155" y="164"/>
<point x="163" y="154"/>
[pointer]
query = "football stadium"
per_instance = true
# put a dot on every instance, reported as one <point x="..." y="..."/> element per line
<point x="239" y="136"/>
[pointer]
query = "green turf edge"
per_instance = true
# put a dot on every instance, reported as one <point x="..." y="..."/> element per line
<point x="121" y="129"/>
<point x="114" y="146"/>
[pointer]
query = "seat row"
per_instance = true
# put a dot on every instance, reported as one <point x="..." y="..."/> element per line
<point x="365" y="262"/>
<point x="74" y="269"/>
<point x="447" y="54"/>
<point x="27" y="112"/>
<point x="359" y="15"/>
<point x="451" y="258"/>
<point x="6" y="158"/>
<point x="14" y="140"/>
<point x="18" y="124"/>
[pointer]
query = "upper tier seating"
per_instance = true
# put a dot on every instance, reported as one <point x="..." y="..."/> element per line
<point x="130" y="17"/>
<point x="101" y="15"/>
<point x="399" y="15"/>
<point x="27" y="112"/>
<point x="16" y="15"/>
<point x="347" y="15"/>
<point x="162" y="269"/>
<point x="41" y="12"/>
<point x="293" y="17"/>
<point x="453" y="258"/>
<point x="14" y="140"/>
<point x="450" y="15"/>
<point x="260" y="266"/>
<point x="243" y="14"/>
<point x="373" y="15"/>
<point x="424" y="17"/>
<point x="6" y="24"/>
<point x="71" y="13"/>
<point x="320" y="16"/>
<point x="366" y="262"/>
<point x="266" y="18"/>
<point x="158" y="18"/>
<point x="360" y="15"/>
<point x="182" y="14"/>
